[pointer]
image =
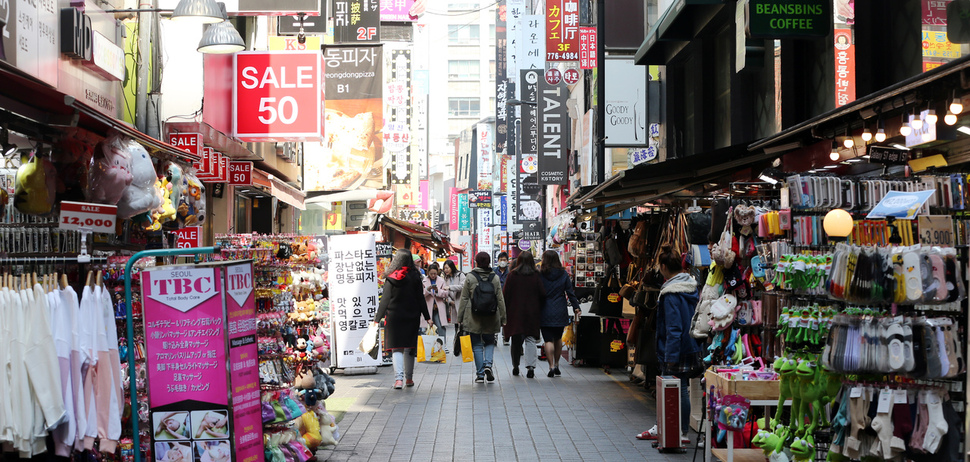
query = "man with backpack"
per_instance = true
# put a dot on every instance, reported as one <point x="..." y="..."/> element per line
<point x="481" y="314"/>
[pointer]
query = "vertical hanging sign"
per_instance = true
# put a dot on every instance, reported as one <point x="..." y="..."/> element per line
<point x="483" y="134"/>
<point x="247" y="422"/>
<point x="464" y="213"/>
<point x="532" y="44"/>
<point x="554" y="133"/>
<point x="587" y="48"/>
<point x="844" y="67"/>
<point x="397" y="133"/>
<point x="353" y="295"/>
<point x="453" y="209"/>
<point x="562" y="30"/>
<point x="357" y="21"/>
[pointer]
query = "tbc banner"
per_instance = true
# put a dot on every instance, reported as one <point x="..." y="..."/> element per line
<point x="562" y="30"/>
<point x="554" y="141"/>
<point x="276" y="96"/>
<point x="353" y="296"/>
<point x="352" y="155"/>
<point x="397" y="133"/>
<point x="356" y="21"/>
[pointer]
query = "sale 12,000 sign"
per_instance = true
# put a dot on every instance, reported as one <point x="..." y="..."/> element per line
<point x="277" y="96"/>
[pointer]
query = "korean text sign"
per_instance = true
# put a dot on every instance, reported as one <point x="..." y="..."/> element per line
<point x="562" y="30"/>
<point x="353" y="295"/>
<point x="277" y="96"/>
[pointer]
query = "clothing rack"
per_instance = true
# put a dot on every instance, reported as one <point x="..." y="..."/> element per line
<point x="52" y="260"/>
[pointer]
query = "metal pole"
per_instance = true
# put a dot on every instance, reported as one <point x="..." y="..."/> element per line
<point x="130" y="329"/>
<point x="144" y="51"/>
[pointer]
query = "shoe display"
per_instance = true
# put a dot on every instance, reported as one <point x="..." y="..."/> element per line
<point x="531" y="374"/>
<point x="398" y="384"/>
<point x="488" y="374"/>
<point x="409" y="383"/>
<point x="515" y="370"/>
<point x="479" y="379"/>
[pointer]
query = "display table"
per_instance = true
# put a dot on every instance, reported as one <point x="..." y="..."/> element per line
<point x="762" y="393"/>
<point x="738" y="455"/>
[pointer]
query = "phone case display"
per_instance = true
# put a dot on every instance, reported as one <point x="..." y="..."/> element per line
<point x="293" y="323"/>
<point x="590" y="263"/>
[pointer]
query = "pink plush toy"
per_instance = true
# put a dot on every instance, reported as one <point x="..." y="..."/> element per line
<point x="110" y="172"/>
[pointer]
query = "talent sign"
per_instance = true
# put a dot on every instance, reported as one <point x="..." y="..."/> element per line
<point x="277" y="96"/>
<point x="788" y="18"/>
<point x="554" y="123"/>
<point x="587" y="47"/>
<point x="464" y="213"/>
<point x="198" y="361"/>
<point x="562" y="30"/>
<point x="480" y="199"/>
<point x="936" y="230"/>
<point x="453" y="210"/>
<point x="97" y="218"/>
<point x="353" y="155"/>
<point x="240" y="173"/>
<point x="353" y="296"/>
<point x="356" y="21"/>
<point x="483" y="143"/>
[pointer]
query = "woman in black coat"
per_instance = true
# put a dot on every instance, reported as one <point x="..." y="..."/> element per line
<point x="402" y="304"/>
<point x="524" y="297"/>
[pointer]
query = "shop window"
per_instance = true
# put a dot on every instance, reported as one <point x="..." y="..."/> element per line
<point x="464" y="107"/>
<point x="243" y="215"/>
<point x="464" y="34"/>
<point x="463" y="69"/>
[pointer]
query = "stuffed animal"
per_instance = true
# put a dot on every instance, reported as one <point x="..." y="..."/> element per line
<point x="173" y="174"/>
<point x="191" y="208"/>
<point x="165" y="210"/>
<point x="110" y="171"/>
<point x="35" y="191"/>
<point x="139" y="196"/>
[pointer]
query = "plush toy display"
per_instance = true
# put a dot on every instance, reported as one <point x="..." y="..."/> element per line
<point x="110" y="171"/>
<point x="173" y="174"/>
<point x="139" y="196"/>
<point x="35" y="188"/>
<point x="191" y="208"/>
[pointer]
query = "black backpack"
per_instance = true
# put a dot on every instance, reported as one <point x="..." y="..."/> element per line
<point x="484" y="300"/>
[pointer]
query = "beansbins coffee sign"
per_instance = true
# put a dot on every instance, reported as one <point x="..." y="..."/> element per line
<point x="788" y="18"/>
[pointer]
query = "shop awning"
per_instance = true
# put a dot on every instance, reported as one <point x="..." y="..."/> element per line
<point x="674" y="29"/>
<point x="648" y="182"/>
<point x="279" y="189"/>
<point x="427" y="237"/>
<point x="888" y="102"/>
<point x="46" y="107"/>
<point x="214" y="139"/>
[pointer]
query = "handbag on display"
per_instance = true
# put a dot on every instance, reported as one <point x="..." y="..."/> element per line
<point x="723" y="252"/>
<point x="607" y="301"/>
<point x="638" y="241"/>
<point x="612" y="350"/>
<point x="698" y="228"/>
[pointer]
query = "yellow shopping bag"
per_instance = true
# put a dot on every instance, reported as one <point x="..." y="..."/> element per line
<point x="466" y="349"/>
<point x="567" y="336"/>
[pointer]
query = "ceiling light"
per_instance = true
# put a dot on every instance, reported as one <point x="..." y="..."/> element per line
<point x="915" y="120"/>
<point x="963" y="129"/>
<point x="834" y="155"/>
<point x="866" y="135"/>
<point x="950" y="118"/>
<point x="956" y="106"/>
<point x="848" y="142"/>
<point x="931" y="117"/>
<point x="202" y="11"/>
<point x="221" y="38"/>
<point x="881" y="132"/>
<point x="905" y="129"/>
<point x="899" y="146"/>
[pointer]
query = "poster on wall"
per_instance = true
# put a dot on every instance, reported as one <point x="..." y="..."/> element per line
<point x="353" y="296"/>
<point x="356" y="22"/>
<point x="625" y="110"/>
<point x="352" y="154"/>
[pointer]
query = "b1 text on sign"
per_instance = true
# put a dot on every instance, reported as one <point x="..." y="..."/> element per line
<point x="98" y="218"/>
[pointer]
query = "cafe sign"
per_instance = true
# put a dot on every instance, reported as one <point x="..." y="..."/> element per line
<point x="767" y="19"/>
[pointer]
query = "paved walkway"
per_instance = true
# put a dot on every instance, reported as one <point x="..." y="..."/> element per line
<point x="584" y="415"/>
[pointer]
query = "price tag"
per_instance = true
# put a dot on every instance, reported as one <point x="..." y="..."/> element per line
<point x="98" y="218"/>
<point x="936" y="230"/>
<point x="899" y="397"/>
<point x="885" y="401"/>
<point x="855" y="392"/>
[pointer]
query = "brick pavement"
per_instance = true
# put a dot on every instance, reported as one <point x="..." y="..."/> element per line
<point x="584" y="415"/>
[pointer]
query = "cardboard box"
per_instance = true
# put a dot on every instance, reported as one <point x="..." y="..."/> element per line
<point x="751" y="389"/>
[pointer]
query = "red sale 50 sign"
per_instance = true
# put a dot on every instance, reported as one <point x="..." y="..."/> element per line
<point x="277" y="96"/>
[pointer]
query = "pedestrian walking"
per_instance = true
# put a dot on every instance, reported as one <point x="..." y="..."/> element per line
<point x="454" y="280"/>
<point x="678" y="352"/>
<point x="555" y="314"/>
<point x="436" y="296"/>
<point x="402" y="304"/>
<point x="524" y="297"/>
<point x="481" y="313"/>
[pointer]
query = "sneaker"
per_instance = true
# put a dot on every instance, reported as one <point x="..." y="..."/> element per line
<point x="556" y="370"/>
<point x="479" y="379"/>
<point x="684" y="440"/>
<point x="488" y="374"/>
<point x="398" y="384"/>
<point x="531" y="374"/>
<point x="650" y="434"/>
<point x="515" y="370"/>
<point x="409" y="383"/>
<point x="552" y="373"/>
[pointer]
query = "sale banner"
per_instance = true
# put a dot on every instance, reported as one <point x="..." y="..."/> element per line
<point x="244" y="363"/>
<point x="357" y="21"/>
<point x="562" y="30"/>
<point x="97" y="218"/>
<point x="353" y="155"/>
<point x="277" y="96"/>
<point x="188" y="237"/>
<point x="353" y="296"/>
<point x="240" y="173"/>
<point x="188" y="142"/>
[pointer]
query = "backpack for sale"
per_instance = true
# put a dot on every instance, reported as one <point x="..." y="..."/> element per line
<point x="484" y="300"/>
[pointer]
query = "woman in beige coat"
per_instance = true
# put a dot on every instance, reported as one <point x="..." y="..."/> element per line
<point x="436" y="296"/>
